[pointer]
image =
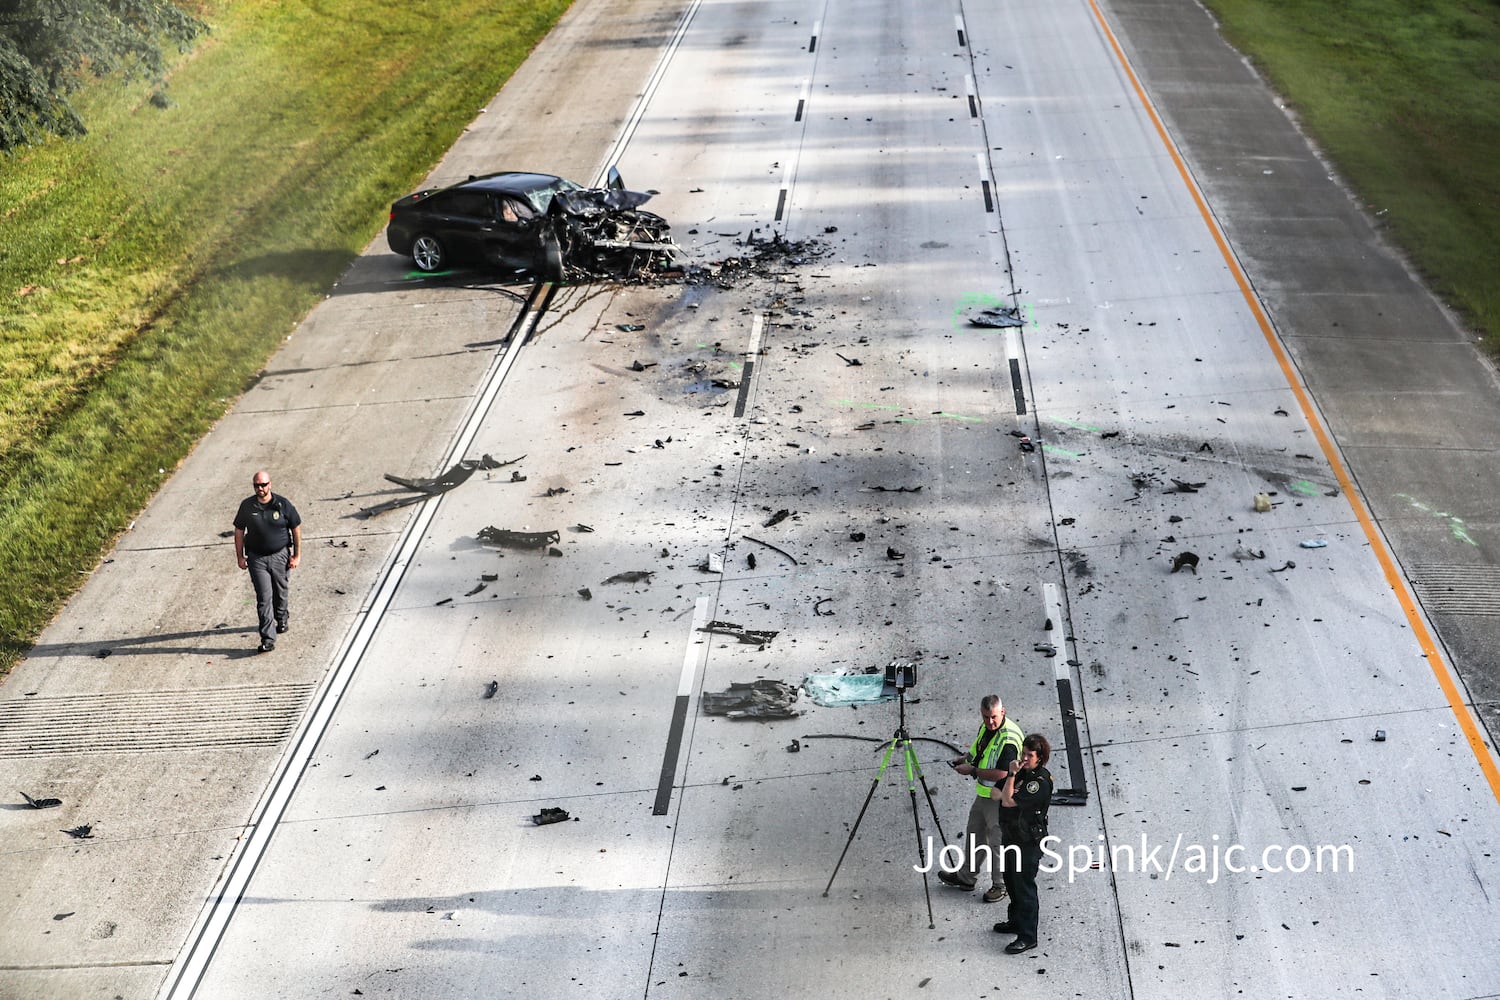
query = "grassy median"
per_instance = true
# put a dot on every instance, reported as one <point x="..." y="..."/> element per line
<point x="1404" y="97"/>
<point x="148" y="270"/>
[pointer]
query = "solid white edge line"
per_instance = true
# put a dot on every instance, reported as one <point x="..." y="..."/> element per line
<point x="208" y="930"/>
<point x="639" y="111"/>
<point x="757" y="329"/>
<point x="697" y="645"/>
<point x="1052" y="605"/>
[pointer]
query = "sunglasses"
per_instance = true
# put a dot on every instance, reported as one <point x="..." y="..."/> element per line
<point x="261" y="486"/>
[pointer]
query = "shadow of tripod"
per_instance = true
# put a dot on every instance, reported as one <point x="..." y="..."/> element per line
<point x="904" y="676"/>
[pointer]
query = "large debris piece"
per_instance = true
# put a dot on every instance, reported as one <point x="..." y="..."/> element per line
<point x="750" y="636"/>
<point x="425" y="489"/>
<point x="762" y="699"/>
<point x="518" y="539"/>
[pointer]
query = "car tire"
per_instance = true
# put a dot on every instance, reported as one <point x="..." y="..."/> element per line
<point x="428" y="254"/>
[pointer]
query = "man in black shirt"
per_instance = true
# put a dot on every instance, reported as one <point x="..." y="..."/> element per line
<point x="268" y="543"/>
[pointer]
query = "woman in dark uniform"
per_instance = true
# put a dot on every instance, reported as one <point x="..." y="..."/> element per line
<point x="1028" y="788"/>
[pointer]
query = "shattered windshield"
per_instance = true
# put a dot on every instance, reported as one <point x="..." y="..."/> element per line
<point x="541" y="197"/>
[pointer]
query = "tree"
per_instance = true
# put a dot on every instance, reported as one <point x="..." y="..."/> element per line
<point x="49" y="47"/>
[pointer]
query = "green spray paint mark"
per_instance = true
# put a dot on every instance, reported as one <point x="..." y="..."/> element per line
<point x="1306" y="488"/>
<point x="959" y="416"/>
<point x="1074" y="423"/>
<point x="1456" y="526"/>
<point x="1049" y="449"/>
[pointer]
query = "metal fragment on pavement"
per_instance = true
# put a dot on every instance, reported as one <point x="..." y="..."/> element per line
<point x="518" y="539"/>
<point x="632" y="576"/>
<point x="750" y="636"/>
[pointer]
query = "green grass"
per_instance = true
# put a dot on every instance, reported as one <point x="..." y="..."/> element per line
<point x="148" y="270"/>
<point x="1404" y="97"/>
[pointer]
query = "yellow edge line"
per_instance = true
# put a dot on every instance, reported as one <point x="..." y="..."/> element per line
<point x="1440" y="668"/>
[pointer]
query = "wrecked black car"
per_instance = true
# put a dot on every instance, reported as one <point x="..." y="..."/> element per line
<point x="533" y="224"/>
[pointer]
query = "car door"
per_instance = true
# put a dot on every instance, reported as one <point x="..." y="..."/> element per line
<point x="462" y="221"/>
<point x="514" y="240"/>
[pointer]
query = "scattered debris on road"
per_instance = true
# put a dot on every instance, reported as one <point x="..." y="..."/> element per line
<point x="749" y="636"/>
<point x="781" y="552"/>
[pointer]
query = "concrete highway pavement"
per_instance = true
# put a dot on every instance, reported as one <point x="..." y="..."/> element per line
<point x="943" y="160"/>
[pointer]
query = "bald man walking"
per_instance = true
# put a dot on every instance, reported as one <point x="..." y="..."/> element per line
<point x="268" y="543"/>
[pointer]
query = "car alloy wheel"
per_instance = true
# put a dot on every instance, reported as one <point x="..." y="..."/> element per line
<point x="427" y="253"/>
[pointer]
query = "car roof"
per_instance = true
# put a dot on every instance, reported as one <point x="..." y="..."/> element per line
<point x="515" y="182"/>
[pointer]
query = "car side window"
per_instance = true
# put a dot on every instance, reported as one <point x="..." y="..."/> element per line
<point x="512" y="210"/>
<point x="468" y="204"/>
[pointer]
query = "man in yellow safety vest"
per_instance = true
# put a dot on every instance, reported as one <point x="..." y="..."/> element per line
<point x="988" y="761"/>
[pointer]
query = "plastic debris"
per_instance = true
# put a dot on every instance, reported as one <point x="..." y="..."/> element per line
<point x="759" y="699"/>
<point x="1314" y="543"/>
<point x="1262" y="502"/>
<point x="40" y="803"/>
<point x="997" y="317"/>
<point x="518" y="539"/>
<point x="749" y="636"/>
<point x="791" y="558"/>
<point x="1185" y="560"/>
<point x="426" y="489"/>
<point x="550" y="814"/>
<point x="632" y="576"/>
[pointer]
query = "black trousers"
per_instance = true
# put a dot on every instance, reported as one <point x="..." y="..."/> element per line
<point x="270" y="576"/>
<point x="1020" y="886"/>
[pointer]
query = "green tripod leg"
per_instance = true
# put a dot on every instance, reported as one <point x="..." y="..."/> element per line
<point x="913" y="775"/>
<point x="884" y="763"/>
